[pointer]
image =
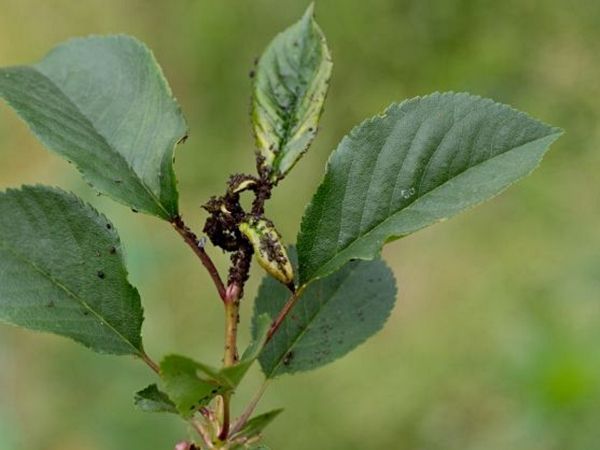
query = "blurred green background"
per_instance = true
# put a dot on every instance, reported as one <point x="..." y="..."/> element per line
<point x="494" y="340"/>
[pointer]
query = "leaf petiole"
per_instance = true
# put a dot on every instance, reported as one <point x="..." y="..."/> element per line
<point x="198" y="248"/>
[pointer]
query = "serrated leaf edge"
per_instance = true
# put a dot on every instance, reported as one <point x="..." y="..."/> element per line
<point x="40" y="187"/>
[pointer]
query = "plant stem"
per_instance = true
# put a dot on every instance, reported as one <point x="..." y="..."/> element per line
<point x="250" y="408"/>
<point x="192" y="240"/>
<point x="232" y="307"/>
<point x="203" y="433"/>
<point x="155" y="367"/>
<point x="284" y="312"/>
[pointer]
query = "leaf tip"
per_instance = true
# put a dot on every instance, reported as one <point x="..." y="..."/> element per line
<point x="310" y="11"/>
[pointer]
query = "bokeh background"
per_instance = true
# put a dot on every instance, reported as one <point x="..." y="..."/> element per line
<point x="494" y="343"/>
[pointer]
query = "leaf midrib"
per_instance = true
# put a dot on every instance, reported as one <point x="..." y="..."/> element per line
<point x="69" y="293"/>
<point x="290" y="128"/>
<point x="312" y="318"/>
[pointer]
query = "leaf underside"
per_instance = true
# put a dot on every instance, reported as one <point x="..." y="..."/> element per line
<point x="290" y="86"/>
<point x="332" y="317"/>
<point x="62" y="271"/>
<point x="188" y="384"/>
<point x="257" y="424"/>
<point x="151" y="399"/>
<point x="192" y="385"/>
<point x="104" y="104"/>
<point x="420" y="162"/>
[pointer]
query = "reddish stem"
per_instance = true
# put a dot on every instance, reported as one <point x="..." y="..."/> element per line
<point x="192" y="240"/>
<point x="150" y="362"/>
<point x="283" y="313"/>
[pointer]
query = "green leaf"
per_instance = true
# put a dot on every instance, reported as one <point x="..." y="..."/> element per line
<point x="187" y="383"/>
<point x="104" y="104"/>
<point x="192" y="385"/>
<point x="332" y="317"/>
<point x="62" y="271"/>
<point x="291" y="83"/>
<point x="236" y="373"/>
<point x="419" y="163"/>
<point x="151" y="399"/>
<point x="258" y="423"/>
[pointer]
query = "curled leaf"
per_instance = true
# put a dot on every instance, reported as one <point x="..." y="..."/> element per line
<point x="268" y="248"/>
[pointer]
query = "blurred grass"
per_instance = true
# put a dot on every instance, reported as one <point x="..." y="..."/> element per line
<point x="493" y="343"/>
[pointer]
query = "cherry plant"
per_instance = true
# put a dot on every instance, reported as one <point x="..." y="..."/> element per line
<point x="103" y="104"/>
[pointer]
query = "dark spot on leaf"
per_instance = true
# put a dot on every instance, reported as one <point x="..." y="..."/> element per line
<point x="101" y="274"/>
<point x="109" y="226"/>
<point x="134" y="210"/>
<point x="288" y="358"/>
<point x="252" y="74"/>
<point x="113" y="250"/>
